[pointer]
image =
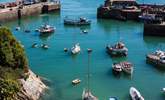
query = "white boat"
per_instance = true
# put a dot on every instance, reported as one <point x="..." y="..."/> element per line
<point x="135" y="94"/>
<point x="84" y="31"/>
<point x="87" y="95"/>
<point x="163" y="89"/>
<point x="76" y="81"/>
<point x="113" y="98"/>
<point x="18" y="28"/>
<point x="75" y="49"/>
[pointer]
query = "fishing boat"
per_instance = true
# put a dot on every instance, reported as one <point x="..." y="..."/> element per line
<point x="76" y="81"/>
<point x="135" y="94"/>
<point x="127" y="67"/>
<point x="116" y="68"/>
<point x="75" y="49"/>
<point x="80" y="21"/>
<point x="46" y="29"/>
<point x="113" y="98"/>
<point x="157" y="58"/>
<point x="118" y="49"/>
<point x="87" y="95"/>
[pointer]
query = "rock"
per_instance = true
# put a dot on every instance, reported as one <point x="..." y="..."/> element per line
<point x="32" y="87"/>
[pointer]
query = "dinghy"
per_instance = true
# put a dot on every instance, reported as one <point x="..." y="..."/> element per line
<point x="135" y="94"/>
<point x="75" y="49"/>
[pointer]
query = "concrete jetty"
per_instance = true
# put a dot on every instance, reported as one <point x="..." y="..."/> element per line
<point x="19" y="11"/>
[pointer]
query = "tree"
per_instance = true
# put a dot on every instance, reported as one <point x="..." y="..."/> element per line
<point x="11" y="52"/>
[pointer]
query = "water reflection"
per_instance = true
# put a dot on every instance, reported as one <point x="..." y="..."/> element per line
<point x="152" y="42"/>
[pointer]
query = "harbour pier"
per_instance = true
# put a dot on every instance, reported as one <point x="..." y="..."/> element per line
<point x="11" y="11"/>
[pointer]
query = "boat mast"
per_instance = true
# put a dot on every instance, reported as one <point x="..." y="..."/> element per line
<point x="88" y="88"/>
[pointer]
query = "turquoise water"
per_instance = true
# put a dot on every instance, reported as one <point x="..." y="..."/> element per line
<point x="61" y="68"/>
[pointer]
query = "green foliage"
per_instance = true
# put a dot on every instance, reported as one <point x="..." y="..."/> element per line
<point x="11" y="52"/>
<point x="8" y="89"/>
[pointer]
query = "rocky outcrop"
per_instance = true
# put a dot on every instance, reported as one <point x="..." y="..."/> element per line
<point x="32" y="87"/>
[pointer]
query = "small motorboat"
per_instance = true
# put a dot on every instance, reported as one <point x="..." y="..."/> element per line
<point x="116" y="68"/>
<point x="44" y="46"/>
<point x="79" y="22"/>
<point x="89" y="50"/>
<point x="18" y="28"/>
<point x="135" y="94"/>
<point x="87" y="95"/>
<point x="113" y="98"/>
<point x="118" y="49"/>
<point x="76" y="81"/>
<point x="46" y="29"/>
<point x="127" y="67"/>
<point x="85" y="31"/>
<point x="35" y="45"/>
<point x="75" y="49"/>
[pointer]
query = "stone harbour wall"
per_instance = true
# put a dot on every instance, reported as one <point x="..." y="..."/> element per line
<point x="9" y="14"/>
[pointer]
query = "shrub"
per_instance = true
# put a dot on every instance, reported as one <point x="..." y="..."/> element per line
<point x="11" y="52"/>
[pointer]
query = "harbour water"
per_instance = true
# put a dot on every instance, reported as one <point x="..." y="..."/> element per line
<point x="60" y="68"/>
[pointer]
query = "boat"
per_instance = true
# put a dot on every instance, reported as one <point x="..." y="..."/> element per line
<point x="116" y="68"/>
<point x="75" y="49"/>
<point x="118" y="49"/>
<point x="163" y="90"/>
<point x="85" y="31"/>
<point x="113" y="98"/>
<point x="44" y="46"/>
<point x="135" y="94"/>
<point x="150" y="18"/>
<point x="18" y="28"/>
<point x="79" y="22"/>
<point x="76" y="81"/>
<point x="157" y="58"/>
<point x="87" y="95"/>
<point x="127" y="67"/>
<point x="46" y="29"/>
<point x="35" y="45"/>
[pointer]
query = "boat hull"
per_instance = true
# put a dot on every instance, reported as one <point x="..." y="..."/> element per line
<point x="116" y="53"/>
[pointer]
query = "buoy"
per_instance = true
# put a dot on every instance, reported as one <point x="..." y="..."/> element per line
<point x="65" y="49"/>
